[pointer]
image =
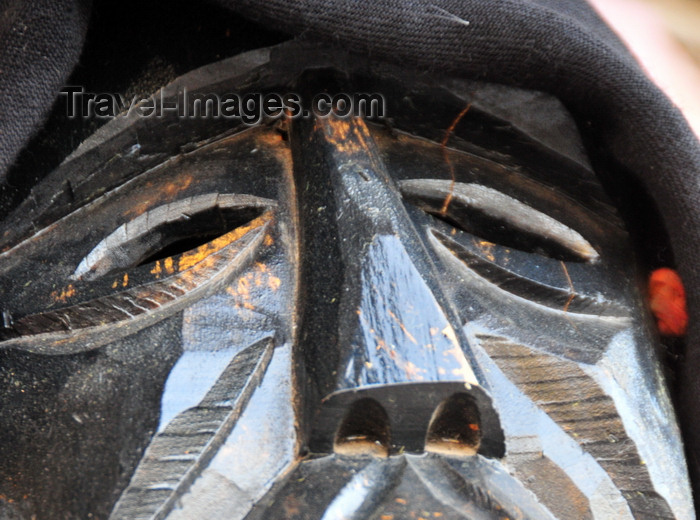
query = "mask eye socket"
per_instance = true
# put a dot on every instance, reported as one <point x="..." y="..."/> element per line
<point x="492" y="224"/>
<point x="152" y="265"/>
<point x="170" y="230"/>
<point x="498" y="218"/>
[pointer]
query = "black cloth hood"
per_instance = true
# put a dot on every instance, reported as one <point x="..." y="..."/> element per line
<point x="560" y="47"/>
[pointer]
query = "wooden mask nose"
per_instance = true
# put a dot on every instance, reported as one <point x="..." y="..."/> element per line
<point x="375" y="323"/>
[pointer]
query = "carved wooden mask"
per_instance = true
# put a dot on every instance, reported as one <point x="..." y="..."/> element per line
<point x="331" y="318"/>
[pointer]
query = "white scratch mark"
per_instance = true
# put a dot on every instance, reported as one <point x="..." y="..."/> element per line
<point x="449" y="16"/>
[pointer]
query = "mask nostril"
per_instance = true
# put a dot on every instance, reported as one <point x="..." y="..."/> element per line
<point x="455" y="427"/>
<point x="364" y="430"/>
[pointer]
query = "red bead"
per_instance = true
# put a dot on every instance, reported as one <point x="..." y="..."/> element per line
<point x="667" y="301"/>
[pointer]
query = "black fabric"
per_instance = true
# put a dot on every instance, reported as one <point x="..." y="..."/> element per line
<point x="40" y="42"/>
<point x="558" y="46"/>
